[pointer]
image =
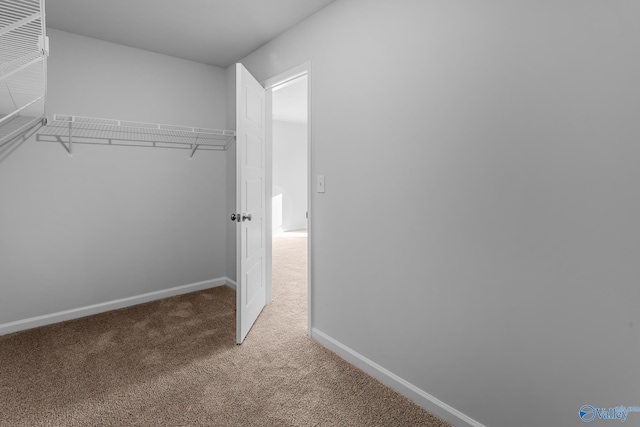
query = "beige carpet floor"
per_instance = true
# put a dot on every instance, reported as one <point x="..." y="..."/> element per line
<point x="174" y="362"/>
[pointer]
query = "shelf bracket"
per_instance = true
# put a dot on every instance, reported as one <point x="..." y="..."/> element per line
<point x="194" y="146"/>
<point x="69" y="146"/>
<point x="22" y="22"/>
<point x="231" y="141"/>
<point x="67" y="149"/>
<point x="193" y="151"/>
<point x="8" y="116"/>
<point x="70" y="150"/>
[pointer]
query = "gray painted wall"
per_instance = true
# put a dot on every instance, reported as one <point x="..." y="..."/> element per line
<point x="113" y="222"/>
<point x="479" y="232"/>
<point x="290" y="172"/>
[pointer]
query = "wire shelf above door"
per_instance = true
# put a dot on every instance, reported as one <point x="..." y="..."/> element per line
<point x="68" y="129"/>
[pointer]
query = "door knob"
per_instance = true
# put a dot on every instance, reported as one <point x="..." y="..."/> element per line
<point x="235" y="217"/>
<point x="246" y="217"/>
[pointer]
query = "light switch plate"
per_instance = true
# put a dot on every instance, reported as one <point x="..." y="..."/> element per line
<point x="320" y="183"/>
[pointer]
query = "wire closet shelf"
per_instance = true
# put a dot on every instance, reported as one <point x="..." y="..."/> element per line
<point x="91" y="130"/>
<point x="23" y="66"/>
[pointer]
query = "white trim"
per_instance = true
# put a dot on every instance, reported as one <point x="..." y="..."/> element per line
<point x="421" y="397"/>
<point x="310" y="210"/>
<point x="268" y="176"/>
<point x="74" y="313"/>
<point x="269" y="84"/>
<point x="284" y="77"/>
<point x="231" y="284"/>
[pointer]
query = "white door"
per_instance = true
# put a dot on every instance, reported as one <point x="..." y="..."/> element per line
<point x="250" y="201"/>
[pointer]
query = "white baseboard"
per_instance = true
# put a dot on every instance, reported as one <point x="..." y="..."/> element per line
<point x="422" y="398"/>
<point x="231" y="283"/>
<point x="47" y="319"/>
<point x="298" y="227"/>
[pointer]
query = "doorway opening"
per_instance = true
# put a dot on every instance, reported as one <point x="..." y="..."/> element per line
<point x="289" y="156"/>
<point x="288" y="147"/>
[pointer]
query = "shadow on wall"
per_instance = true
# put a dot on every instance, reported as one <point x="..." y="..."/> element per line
<point x="14" y="133"/>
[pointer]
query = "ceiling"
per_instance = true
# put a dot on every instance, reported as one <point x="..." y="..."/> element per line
<point x="215" y="32"/>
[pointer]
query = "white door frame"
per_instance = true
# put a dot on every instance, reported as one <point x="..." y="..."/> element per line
<point x="269" y="84"/>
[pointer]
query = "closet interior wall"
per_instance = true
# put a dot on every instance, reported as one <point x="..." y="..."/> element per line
<point x="113" y="222"/>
